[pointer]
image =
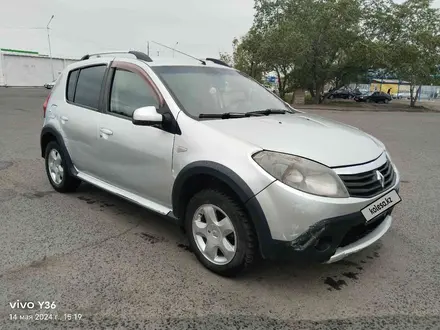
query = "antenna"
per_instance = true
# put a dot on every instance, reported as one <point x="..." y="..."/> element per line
<point x="175" y="50"/>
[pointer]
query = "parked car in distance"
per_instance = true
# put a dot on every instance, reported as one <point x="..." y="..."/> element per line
<point x="214" y="151"/>
<point x="376" y="97"/>
<point x="342" y="94"/>
<point x="403" y="95"/>
<point x="50" y="85"/>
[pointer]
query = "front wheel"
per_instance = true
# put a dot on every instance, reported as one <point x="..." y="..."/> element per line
<point x="220" y="233"/>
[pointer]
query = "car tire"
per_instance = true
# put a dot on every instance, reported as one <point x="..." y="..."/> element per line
<point x="222" y="249"/>
<point x="386" y="101"/>
<point x="57" y="171"/>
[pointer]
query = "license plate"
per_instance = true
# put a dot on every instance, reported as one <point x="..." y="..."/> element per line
<point x="381" y="205"/>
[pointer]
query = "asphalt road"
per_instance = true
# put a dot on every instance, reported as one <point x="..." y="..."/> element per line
<point x="123" y="267"/>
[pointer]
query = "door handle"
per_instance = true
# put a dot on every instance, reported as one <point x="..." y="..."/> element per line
<point x="64" y="118"/>
<point x="106" y="131"/>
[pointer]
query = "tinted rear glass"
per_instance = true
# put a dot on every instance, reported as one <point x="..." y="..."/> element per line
<point x="89" y="86"/>
<point x="71" y="85"/>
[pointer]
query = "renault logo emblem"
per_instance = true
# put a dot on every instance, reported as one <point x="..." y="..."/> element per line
<point x="380" y="178"/>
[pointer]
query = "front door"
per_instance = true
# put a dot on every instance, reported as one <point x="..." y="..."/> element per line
<point x="135" y="158"/>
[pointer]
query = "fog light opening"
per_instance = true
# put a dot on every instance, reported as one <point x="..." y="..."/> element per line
<point x="323" y="244"/>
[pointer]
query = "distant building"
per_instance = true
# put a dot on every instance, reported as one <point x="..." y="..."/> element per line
<point x="23" y="68"/>
<point x="393" y="85"/>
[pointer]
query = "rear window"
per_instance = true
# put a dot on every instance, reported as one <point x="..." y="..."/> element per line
<point x="71" y="82"/>
<point x="89" y="85"/>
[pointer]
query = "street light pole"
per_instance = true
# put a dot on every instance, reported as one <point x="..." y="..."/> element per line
<point x="50" y="49"/>
<point x="175" y="47"/>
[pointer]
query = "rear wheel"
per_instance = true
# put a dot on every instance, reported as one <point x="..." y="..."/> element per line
<point x="220" y="233"/>
<point x="56" y="169"/>
<point x="386" y="101"/>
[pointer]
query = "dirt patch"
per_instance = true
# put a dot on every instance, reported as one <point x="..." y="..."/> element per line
<point x="151" y="238"/>
<point x="335" y="284"/>
<point x="38" y="194"/>
<point x="7" y="194"/>
<point x="5" y="164"/>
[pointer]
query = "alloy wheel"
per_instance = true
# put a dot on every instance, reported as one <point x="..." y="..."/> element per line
<point x="55" y="166"/>
<point x="214" y="234"/>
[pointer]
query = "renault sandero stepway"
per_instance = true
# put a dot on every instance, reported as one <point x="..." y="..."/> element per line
<point x="240" y="170"/>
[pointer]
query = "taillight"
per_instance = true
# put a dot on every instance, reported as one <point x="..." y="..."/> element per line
<point x="45" y="105"/>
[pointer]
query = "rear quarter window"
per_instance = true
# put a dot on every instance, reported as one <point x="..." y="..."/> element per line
<point x="71" y="83"/>
<point x="88" y="87"/>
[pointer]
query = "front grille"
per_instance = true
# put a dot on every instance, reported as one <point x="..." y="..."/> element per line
<point x="366" y="184"/>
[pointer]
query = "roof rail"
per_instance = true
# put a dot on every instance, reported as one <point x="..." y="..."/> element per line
<point x="137" y="54"/>
<point x="216" y="61"/>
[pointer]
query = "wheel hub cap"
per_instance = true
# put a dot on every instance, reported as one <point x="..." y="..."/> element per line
<point x="54" y="163"/>
<point x="214" y="234"/>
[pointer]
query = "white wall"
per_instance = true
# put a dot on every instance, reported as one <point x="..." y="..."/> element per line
<point x="27" y="70"/>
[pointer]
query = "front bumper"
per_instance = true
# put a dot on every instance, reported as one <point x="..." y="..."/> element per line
<point x="363" y="242"/>
<point x="332" y="239"/>
<point x="304" y="226"/>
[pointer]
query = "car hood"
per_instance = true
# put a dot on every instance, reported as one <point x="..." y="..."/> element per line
<point x="309" y="136"/>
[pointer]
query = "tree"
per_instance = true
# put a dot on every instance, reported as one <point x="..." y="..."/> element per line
<point x="310" y="43"/>
<point x="225" y="57"/>
<point x="305" y="41"/>
<point x="246" y="55"/>
<point x="410" y="35"/>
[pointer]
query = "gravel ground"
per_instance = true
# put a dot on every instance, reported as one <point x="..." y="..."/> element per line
<point x="120" y="266"/>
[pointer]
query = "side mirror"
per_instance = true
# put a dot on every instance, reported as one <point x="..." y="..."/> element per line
<point x="146" y="116"/>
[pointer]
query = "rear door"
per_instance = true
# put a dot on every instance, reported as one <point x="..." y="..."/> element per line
<point x="80" y="115"/>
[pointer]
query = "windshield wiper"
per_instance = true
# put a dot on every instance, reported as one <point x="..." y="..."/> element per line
<point x="228" y="115"/>
<point x="267" y="112"/>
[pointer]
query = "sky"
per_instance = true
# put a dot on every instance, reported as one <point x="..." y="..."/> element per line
<point x="202" y="28"/>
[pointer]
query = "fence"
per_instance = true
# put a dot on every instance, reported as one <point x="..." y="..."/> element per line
<point x="427" y="92"/>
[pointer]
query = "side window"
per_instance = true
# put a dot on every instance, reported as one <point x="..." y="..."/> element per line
<point x="71" y="82"/>
<point x="88" y="87"/>
<point x="129" y="92"/>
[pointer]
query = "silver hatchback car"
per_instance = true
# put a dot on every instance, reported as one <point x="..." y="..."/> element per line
<point x="241" y="171"/>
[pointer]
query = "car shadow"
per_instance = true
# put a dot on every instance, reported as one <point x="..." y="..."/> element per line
<point x="127" y="211"/>
<point x="156" y="227"/>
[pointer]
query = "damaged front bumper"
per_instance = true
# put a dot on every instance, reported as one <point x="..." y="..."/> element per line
<point x="332" y="239"/>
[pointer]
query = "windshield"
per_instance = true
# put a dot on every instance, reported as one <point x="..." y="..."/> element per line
<point x="211" y="90"/>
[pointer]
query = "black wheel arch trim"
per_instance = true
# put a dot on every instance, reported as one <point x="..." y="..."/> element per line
<point x="237" y="184"/>
<point x="58" y="138"/>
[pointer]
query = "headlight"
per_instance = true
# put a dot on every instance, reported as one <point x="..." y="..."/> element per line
<point x="302" y="174"/>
